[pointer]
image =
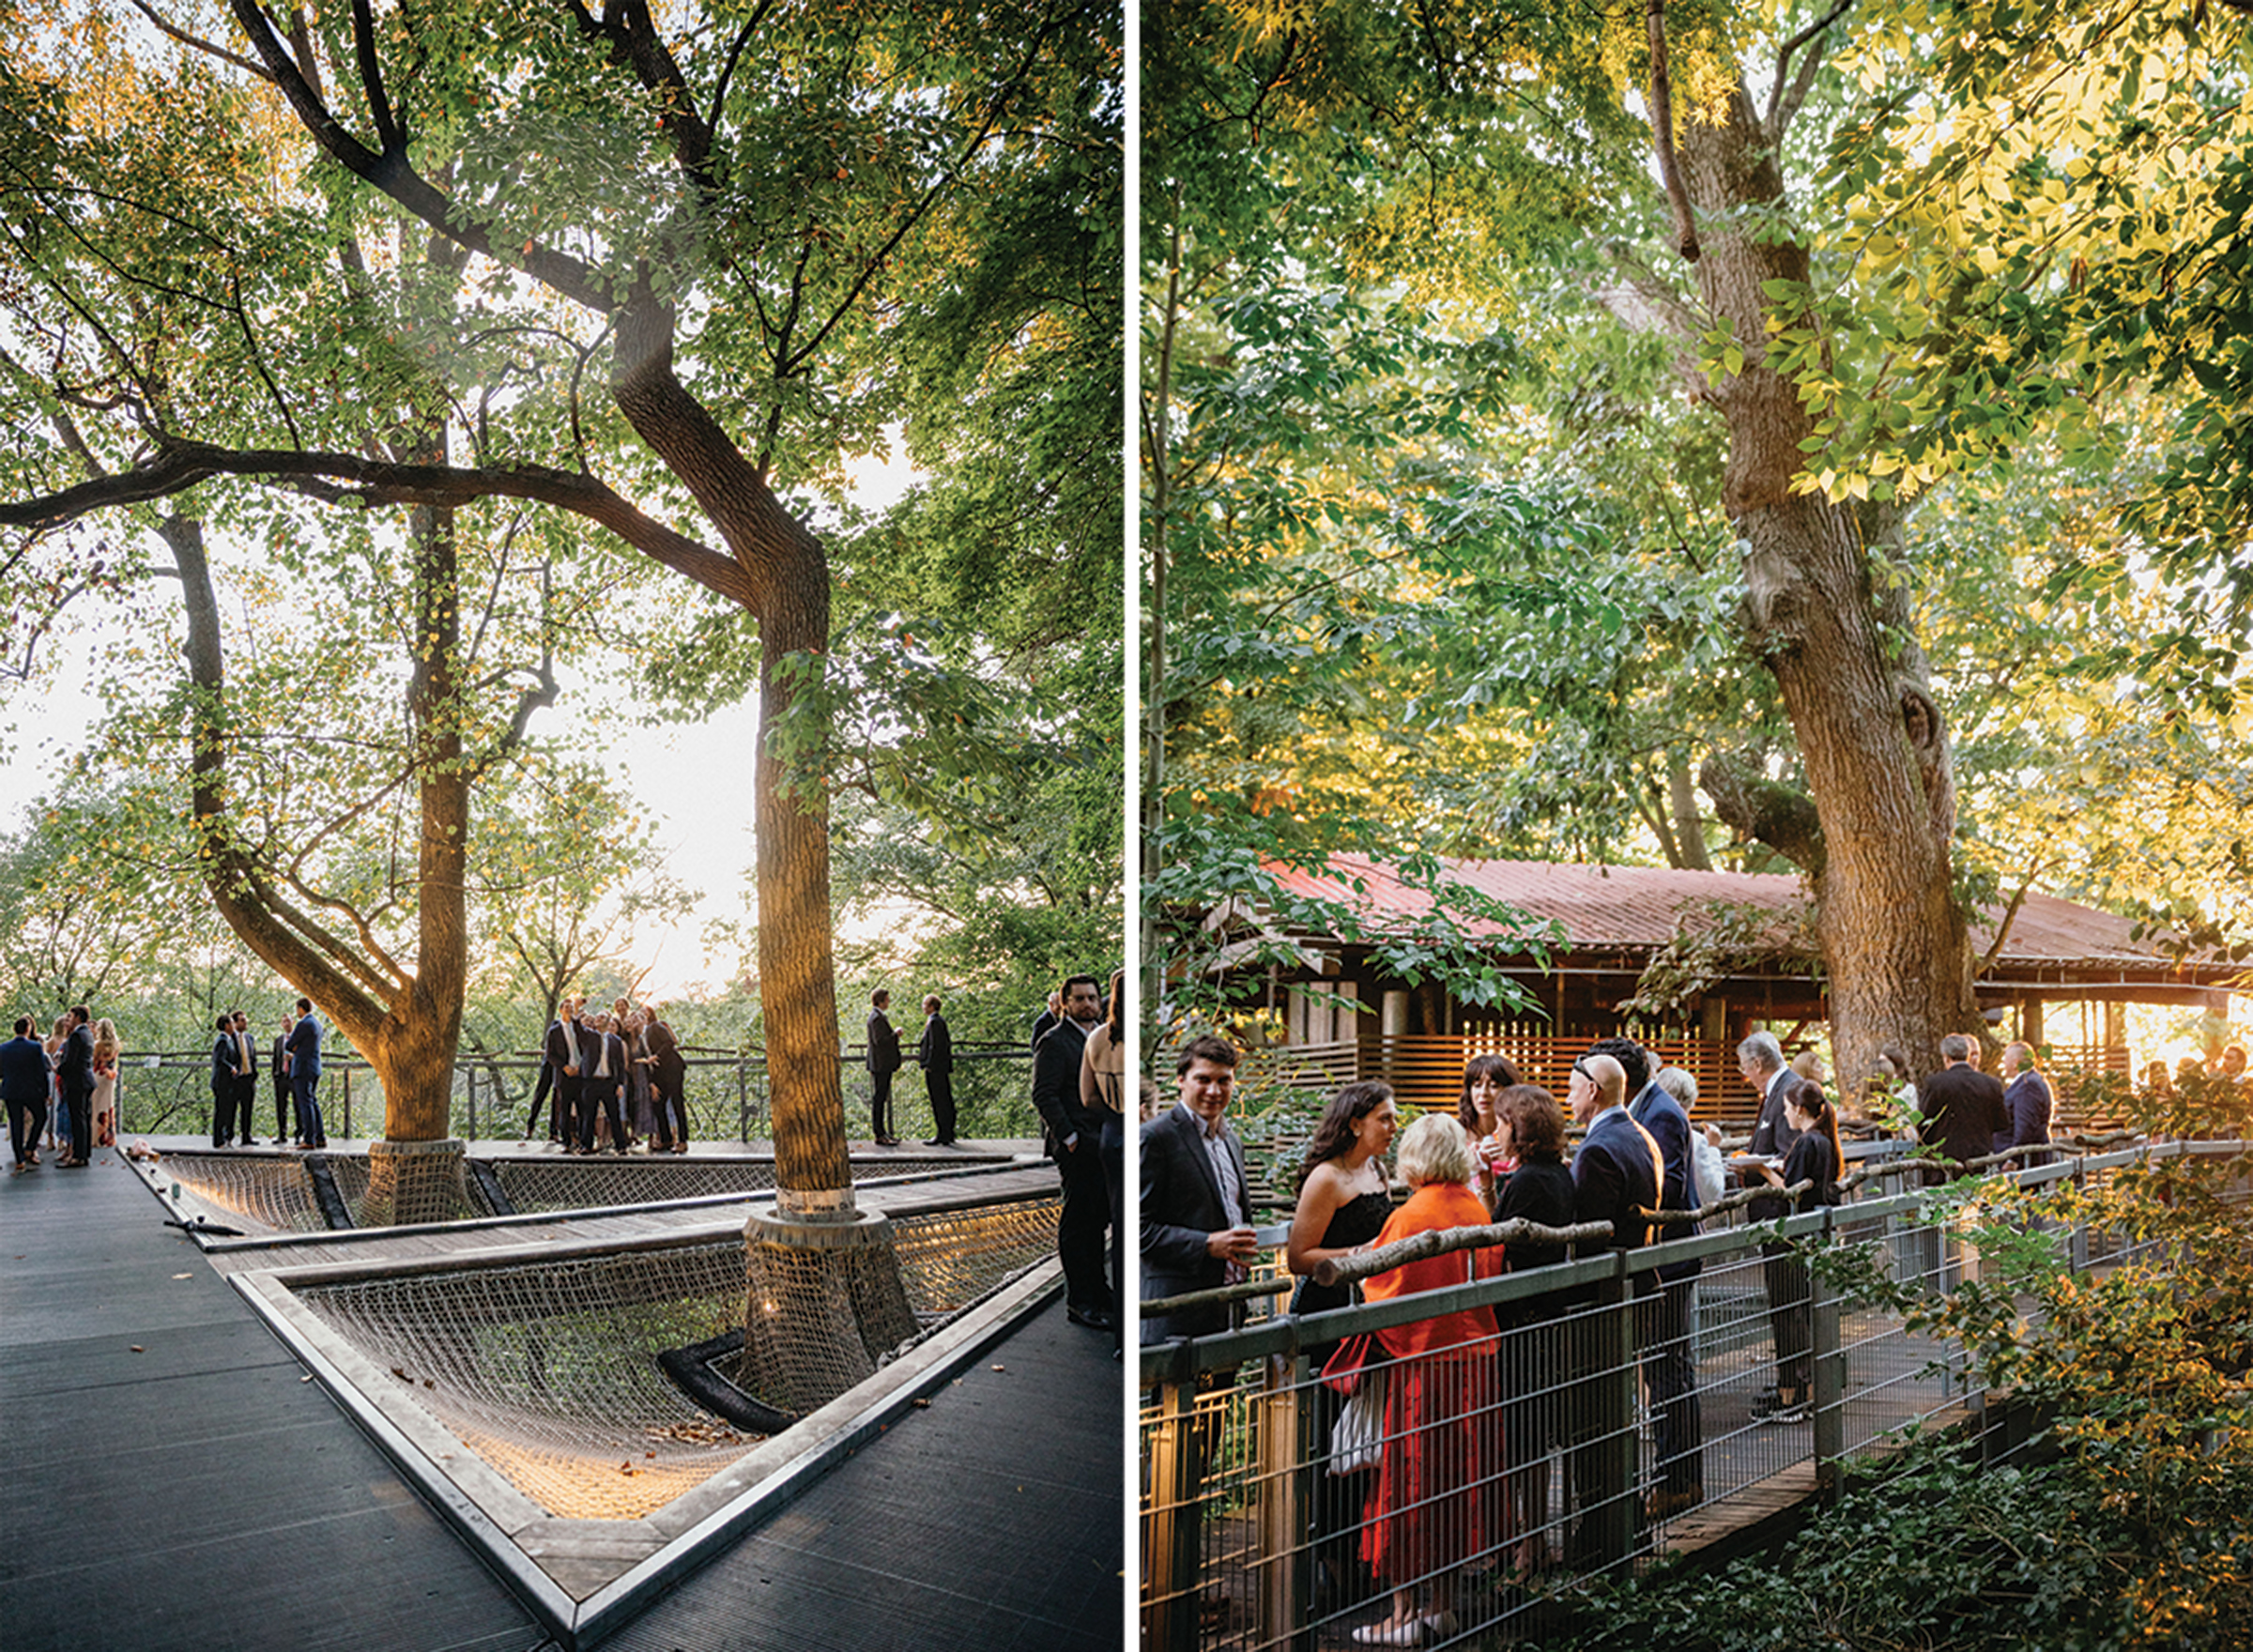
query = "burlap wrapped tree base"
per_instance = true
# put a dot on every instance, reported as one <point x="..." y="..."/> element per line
<point x="825" y="1304"/>
<point x="416" y="1181"/>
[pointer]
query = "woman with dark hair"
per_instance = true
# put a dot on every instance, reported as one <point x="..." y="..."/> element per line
<point x="1532" y="1352"/>
<point x="1816" y="1158"/>
<point x="1484" y="1079"/>
<point x="1343" y="1199"/>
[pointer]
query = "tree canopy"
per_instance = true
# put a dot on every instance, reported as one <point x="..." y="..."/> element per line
<point x="1819" y="466"/>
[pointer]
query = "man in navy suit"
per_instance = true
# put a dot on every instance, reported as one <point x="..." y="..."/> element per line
<point x="1616" y="1177"/>
<point x="24" y="1092"/>
<point x="1664" y="1310"/>
<point x="74" y="1077"/>
<point x="2026" y="1094"/>
<point x="305" y="1076"/>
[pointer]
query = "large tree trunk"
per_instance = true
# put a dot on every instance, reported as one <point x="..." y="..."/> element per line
<point x="1877" y="757"/>
<point x="785" y="587"/>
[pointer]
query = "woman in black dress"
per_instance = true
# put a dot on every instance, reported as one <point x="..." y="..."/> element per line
<point x="1815" y="1158"/>
<point x="1530" y="1127"/>
<point x="1343" y="1199"/>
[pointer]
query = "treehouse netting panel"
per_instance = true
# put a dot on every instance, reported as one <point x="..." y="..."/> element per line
<point x="249" y="1191"/>
<point x="548" y="1370"/>
<point x="601" y="1182"/>
<point x="262" y="1194"/>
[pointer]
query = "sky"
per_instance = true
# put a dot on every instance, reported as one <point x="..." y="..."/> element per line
<point x="701" y="806"/>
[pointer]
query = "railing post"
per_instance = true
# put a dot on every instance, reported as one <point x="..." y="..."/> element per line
<point x="1289" y="1460"/>
<point x="1829" y="1387"/>
<point x="472" y="1103"/>
<point x="742" y="1100"/>
<point x="1170" y="1546"/>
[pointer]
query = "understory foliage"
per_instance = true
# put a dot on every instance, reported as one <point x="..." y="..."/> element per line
<point x="2121" y="1525"/>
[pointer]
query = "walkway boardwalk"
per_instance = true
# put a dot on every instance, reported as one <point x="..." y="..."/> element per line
<point x="169" y="1481"/>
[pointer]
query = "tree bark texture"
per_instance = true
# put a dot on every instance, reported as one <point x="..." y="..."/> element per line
<point x="1876" y="757"/>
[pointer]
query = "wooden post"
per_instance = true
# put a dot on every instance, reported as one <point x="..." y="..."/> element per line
<point x="1289" y="1460"/>
<point x="1169" y="1523"/>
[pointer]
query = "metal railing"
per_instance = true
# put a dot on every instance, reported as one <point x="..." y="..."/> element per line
<point x="170" y="1093"/>
<point x="1521" y="1461"/>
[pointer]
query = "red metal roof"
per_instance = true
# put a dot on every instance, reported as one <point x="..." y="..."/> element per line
<point x="1634" y="909"/>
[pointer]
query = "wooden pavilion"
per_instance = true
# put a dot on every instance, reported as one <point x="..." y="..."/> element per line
<point x="2061" y="978"/>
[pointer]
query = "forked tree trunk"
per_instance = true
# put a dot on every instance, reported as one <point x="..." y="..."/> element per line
<point x="1834" y="632"/>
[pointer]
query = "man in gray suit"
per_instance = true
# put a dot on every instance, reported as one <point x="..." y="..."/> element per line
<point x="1196" y="1212"/>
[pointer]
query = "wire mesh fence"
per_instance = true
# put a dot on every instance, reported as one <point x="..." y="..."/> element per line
<point x="1479" y="1481"/>
<point x="169" y="1093"/>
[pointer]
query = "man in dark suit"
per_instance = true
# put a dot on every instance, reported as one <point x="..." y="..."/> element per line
<point x="2026" y="1093"/>
<point x="602" y="1079"/>
<point x="246" y="1080"/>
<point x="544" y="1085"/>
<point x="1047" y="1018"/>
<point x="304" y="1049"/>
<point x="1075" y="1142"/>
<point x="1196" y="1218"/>
<point x="668" y="1083"/>
<point x="74" y="1078"/>
<point x="1662" y="1312"/>
<point x="1964" y="1107"/>
<point x="563" y="1054"/>
<point x="226" y="1067"/>
<point x="935" y="1055"/>
<point x="277" y="1066"/>
<point x="24" y="1092"/>
<point x="1616" y="1177"/>
<point x="883" y="1060"/>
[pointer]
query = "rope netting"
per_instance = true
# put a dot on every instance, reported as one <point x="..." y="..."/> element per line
<point x="548" y="1370"/>
<point x="598" y="1183"/>
<point x="261" y="1195"/>
<point x="265" y="1194"/>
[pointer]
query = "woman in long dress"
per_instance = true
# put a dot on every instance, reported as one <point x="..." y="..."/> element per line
<point x="1343" y="1199"/>
<point x="58" y="1116"/>
<point x="1437" y="1503"/>
<point x="103" y="1106"/>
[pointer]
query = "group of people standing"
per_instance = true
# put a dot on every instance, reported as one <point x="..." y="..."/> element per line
<point x="293" y="1060"/>
<point x="64" y="1089"/>
<point x="617" y="1077"/>
<point x="1475" y="1400"/>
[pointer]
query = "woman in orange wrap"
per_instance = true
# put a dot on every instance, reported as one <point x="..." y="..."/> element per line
<point x="1437" y="1503"/>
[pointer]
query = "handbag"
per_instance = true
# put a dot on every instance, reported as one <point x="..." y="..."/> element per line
<point x="1357" y="1437"/>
